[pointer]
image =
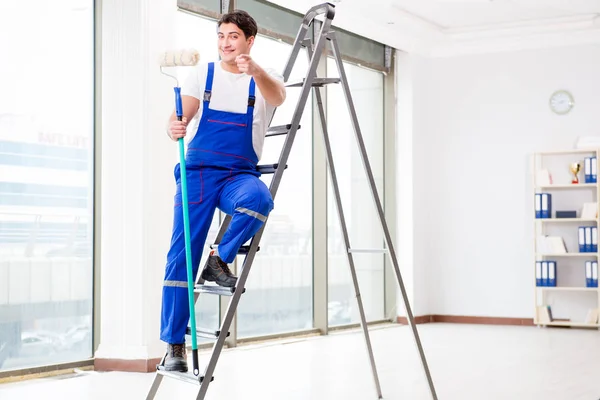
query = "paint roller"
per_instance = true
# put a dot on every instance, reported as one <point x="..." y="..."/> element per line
<point x="184" y="58"/>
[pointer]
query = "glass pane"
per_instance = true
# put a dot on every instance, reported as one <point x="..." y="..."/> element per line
<point x="46" y="182"/>
<point x="199" y="33"/>
<point x="364" y="228"/>
<point x="278" y="294"/>
<point x="273" y="18"/>
<point x="199" y="6"/>
<point x="361" y="49"/>
<point x="207" y="307"/>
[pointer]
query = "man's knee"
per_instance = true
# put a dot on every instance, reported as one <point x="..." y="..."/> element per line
<point x="259" y="201"/>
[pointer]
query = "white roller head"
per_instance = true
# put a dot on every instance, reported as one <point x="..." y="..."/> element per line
<point x="179" y="58"/>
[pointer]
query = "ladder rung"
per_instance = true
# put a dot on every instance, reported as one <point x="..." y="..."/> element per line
<point x="246" y="249"/>
<point x="317" y="82"/>
<point x="205" y="333"/>
<point x="241" y="250"/>
<point x="268" y="168"/>
<point x="367" y="250"/>
<point x="280" y="130"/>
<point x="219" y="290"/>
<point x="183" y="376"/>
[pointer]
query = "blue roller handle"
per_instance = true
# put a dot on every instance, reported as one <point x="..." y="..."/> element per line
<point x="186" y="229"/>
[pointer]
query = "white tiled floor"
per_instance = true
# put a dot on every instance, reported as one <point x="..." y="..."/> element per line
<point x="467" y="362"/>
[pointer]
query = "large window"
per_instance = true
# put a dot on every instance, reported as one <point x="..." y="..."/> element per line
<point x="46" y="182"/>
<point x="364" y="228"/>
<point x="278" y="297"/>
<point x="278" y="294"/>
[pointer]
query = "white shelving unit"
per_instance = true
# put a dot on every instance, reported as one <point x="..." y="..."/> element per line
<point x="570" y="301"/>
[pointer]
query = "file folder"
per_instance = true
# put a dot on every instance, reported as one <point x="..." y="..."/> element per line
<point x="588" y="273"/>
<point x="594" y="173"/>
<point x="538" y="273"/>
<point x="546" y="205"/>
<point x="552" y="273"/>
<point x="594" y="273"/>
<point x="594" y="239"/>
<point x="587" y="169"/>
<point x="538" y="205"/>
<point x="588" y="239"/>
<point x="581" y="240"/>
<point x="544" y="273"/>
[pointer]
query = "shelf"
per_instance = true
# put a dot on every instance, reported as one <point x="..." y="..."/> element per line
<point x="568" y="255"/>
<point x="569" y="323"/>
<point x="566" y="152"/>
<point x="567" y="186"/>
<point x="568" y="289"/>
<point x="567" y="219"/>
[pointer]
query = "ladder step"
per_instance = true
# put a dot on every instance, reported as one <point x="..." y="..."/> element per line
<point x="367" y="250"/>
<point x="183" y="376"/>
<point x="246" y="249"/>
<point x="280" y="130"/>
<point x="242" y="250"/>
<point x="218" y="290"/>
<point x="205" y="333"/>
<point x="317" y="82"/>
<point x="268" y="168"/>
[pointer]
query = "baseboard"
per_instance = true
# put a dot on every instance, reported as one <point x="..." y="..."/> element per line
<point x="421" y="319"/>
<point x="113" y="364"/>
<point x="460" y="319"/>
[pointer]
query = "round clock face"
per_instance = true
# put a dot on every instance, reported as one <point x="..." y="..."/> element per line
<point x="561" y="102"/>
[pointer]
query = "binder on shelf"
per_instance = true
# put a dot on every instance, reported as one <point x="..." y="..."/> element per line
<point x="588" y="239"/>
<point x="582" y="239"/>
<point x="588" y="274"/>
<point x="552" y="273"/>
<point x="594" y="172"/>
<point x="538" y="205"/>
<point x="594" y="239"/>
<point x="544" y="273"/>
<point x="594" y="273"/>
<point x="587" y="169"/>
<point x="538" y="273"/>
<point x="546" y="205"/>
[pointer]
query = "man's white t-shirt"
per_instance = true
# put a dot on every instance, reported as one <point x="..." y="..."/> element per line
<point x="229" y="93"/>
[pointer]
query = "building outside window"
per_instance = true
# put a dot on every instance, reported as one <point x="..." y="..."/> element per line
<point x="46" y="182"/>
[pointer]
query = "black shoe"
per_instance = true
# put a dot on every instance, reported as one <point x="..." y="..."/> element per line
<point x="217" y="270"/>
<point x="176" y="358"/>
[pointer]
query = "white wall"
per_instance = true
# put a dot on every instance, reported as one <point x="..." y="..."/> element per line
<point x="475" y="121"/>
<point x="137" y="175"/>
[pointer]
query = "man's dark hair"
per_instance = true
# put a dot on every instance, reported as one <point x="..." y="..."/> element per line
<point x="242" y="19"/>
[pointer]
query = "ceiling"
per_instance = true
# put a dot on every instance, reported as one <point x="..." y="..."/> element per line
<point x="450" y="27"/>
<point x="456" y="14"/>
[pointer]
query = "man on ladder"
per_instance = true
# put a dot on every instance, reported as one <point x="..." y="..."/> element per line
<point x="238" y="100"/>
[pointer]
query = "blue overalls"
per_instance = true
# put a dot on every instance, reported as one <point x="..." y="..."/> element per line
<point x="221" y="172"/>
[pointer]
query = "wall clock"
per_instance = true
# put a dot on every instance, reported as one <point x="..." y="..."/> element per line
<point x="561" y="102"/>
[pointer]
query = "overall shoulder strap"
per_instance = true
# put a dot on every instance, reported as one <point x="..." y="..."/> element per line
<point x="209" y="82"/>
<point x="251" y="96"/>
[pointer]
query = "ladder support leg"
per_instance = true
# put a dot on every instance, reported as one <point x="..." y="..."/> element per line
<point x="338" y="200"/>
<point x="154" y="388"/>
<point x="388" y="239"/>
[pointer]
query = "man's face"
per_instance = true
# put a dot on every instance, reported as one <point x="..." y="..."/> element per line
<point x="232" y="42"/>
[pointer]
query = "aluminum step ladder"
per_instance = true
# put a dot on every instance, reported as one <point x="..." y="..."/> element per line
<point x="314" y="50"/>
